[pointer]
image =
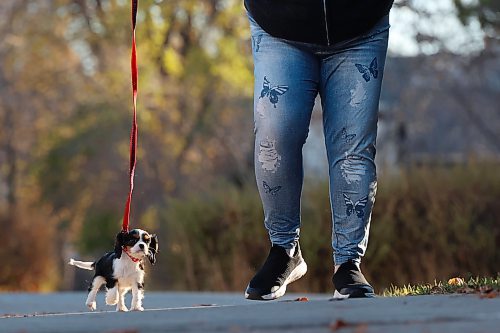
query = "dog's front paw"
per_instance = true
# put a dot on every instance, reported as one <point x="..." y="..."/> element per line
<point x="92" y="306"/>
<point x="122" y="309"/>
<point x="138" y="308"/>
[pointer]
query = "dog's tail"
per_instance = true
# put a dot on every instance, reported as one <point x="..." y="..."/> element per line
<point x="82" y="264"/>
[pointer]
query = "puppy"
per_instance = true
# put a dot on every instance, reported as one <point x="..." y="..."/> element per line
<point x="122" y="272"/>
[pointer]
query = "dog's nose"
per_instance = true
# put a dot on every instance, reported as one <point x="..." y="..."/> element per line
<point x="141" y="246"/>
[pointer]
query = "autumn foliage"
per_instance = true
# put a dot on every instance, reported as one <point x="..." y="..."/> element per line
<point x="65" y="112"/>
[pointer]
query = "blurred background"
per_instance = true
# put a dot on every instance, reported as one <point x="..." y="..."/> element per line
<point x="65" y="110"/>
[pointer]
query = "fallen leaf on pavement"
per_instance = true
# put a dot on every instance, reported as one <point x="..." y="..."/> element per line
<point x="491" y="294"/>
<point x="302" y="299"/>
<point x="338" y="325"/>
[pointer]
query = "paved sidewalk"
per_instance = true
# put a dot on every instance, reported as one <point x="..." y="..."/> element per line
<point x="214" y="312"/>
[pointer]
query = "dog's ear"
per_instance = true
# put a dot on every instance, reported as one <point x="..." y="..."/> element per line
<point x="119" y="243"/>
<point x="153" y="249"/>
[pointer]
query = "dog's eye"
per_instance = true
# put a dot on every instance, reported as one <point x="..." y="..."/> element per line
<point x="146" y="238"/>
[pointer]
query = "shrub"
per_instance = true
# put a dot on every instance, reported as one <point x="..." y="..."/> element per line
<point x="428" y="223"/>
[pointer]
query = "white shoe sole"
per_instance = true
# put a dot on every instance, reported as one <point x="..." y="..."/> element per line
<point x="337" y="295"/>
<point x="296" y="274"/>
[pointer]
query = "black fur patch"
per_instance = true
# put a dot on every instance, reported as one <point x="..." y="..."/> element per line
<point x="125" y="239"/>
<point x="153" y="249"/>
<point x="104" y="268"/>
<point x="140" y="285"/>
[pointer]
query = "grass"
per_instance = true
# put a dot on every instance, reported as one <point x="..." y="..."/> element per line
<point x="475" y="285"/>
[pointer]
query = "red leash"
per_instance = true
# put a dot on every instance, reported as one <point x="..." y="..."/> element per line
<point x="133" y="132"/>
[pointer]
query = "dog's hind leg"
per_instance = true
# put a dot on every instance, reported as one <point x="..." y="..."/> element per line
<point x="93" y="289"/>
<point x="112" y="295"/>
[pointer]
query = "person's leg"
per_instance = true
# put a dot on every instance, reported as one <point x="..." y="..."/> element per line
<point x="351" y="79"/>
<point x="286" y="84"/>
<point x="286" y="81"/>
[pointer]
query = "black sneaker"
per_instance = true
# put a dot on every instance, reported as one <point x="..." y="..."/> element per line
<point x="278" y="271"/>
<point x="350" y="283"/>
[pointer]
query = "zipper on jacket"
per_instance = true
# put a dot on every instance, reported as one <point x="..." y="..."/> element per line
<point x="326" y="23"/>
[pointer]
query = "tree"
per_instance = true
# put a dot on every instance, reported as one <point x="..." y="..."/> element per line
<point x="68" y="73"/>
<point x="38" y="77"/>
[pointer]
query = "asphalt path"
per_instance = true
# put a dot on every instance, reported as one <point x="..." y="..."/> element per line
<point x="230" y="312"/>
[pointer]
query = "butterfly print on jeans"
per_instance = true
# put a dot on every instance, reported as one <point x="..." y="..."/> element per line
<point x="347" y="137"/>
<point x="272" y="92"/>
<point x="367" y="70"/>
<point x="357" y="207"/>
<point x="269" y="189"/>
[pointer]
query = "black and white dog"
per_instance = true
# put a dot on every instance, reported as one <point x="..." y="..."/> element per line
<point x="120" y="273"/>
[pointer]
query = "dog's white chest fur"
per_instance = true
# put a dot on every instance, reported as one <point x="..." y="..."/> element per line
<point x="127" y="272"/>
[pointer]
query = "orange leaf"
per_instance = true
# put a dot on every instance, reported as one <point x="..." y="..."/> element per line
<point x="302" y="299"/>
<point x="492" y="294"/>
<point x="456" y="281"/>
<point x="338" y="325"/>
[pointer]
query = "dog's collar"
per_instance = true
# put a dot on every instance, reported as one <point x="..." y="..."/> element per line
<point x="131" y="258"/>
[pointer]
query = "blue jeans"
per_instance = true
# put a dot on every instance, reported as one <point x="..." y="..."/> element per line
<point x="348" y="77"/>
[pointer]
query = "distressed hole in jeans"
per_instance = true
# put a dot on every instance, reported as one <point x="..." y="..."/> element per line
<point x="256" y="42"/>
<point x="268" y="155"/>
<point x="353" y="169"/>
<point x="358" y="94"/>
<point x="372" y="191"/>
